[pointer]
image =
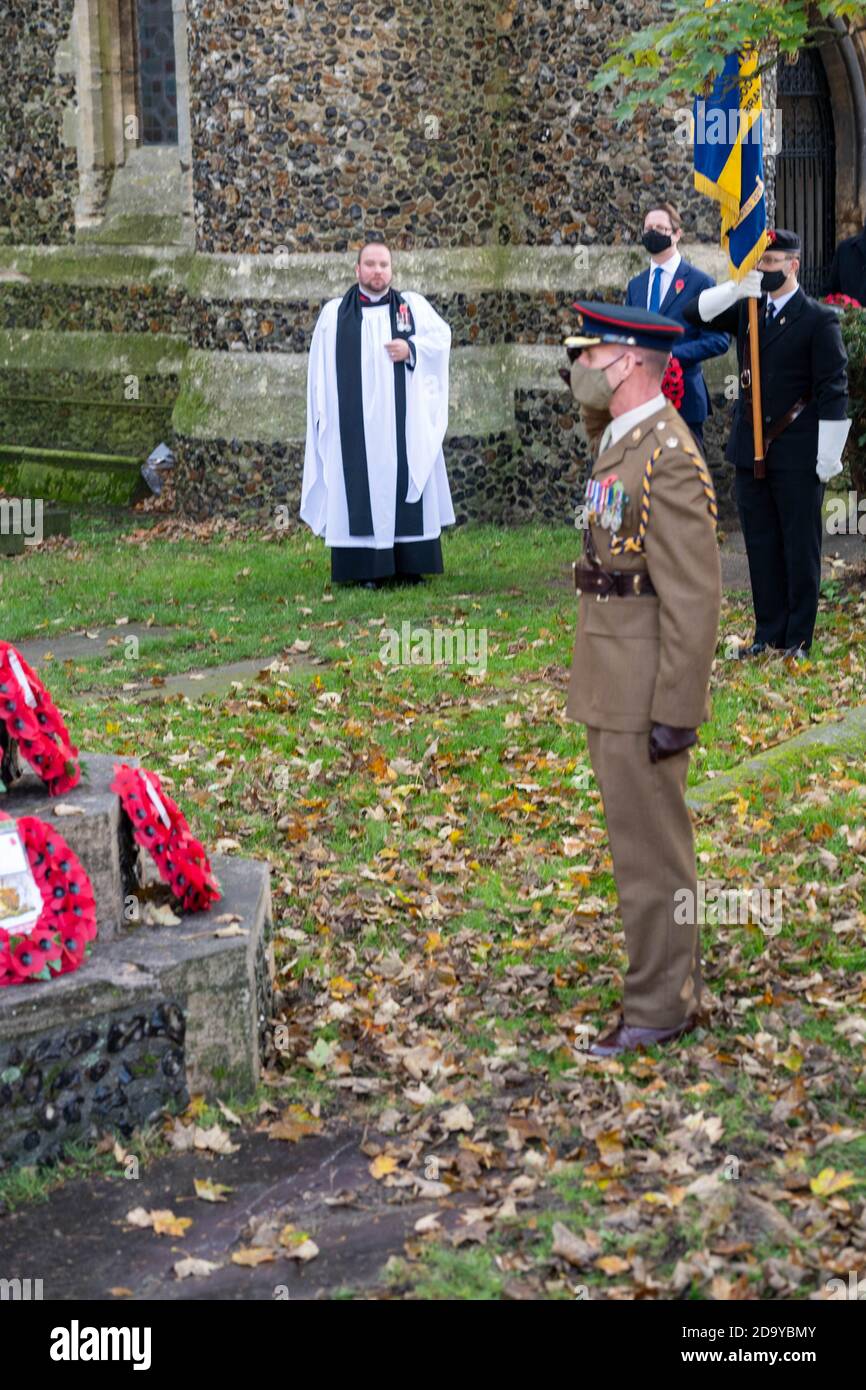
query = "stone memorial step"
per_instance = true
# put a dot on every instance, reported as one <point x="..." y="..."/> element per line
<point x="156" y="1013"/>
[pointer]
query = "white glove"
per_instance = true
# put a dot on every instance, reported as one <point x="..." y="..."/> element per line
<point x="827" y="469"/>
<point x="718" y="298"/>
<point x="832" y="435"/>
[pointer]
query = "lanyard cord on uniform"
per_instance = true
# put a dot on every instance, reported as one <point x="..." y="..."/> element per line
<point x="635" y="544"/>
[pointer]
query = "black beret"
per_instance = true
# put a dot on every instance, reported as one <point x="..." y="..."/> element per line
<point x="782" y="240"/>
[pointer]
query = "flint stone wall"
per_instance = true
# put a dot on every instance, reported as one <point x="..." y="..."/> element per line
<point x="224" y="339"/>
<point x="39" y="181"/>
<point x="439" y="124"/>
<point x="435" y="124"/>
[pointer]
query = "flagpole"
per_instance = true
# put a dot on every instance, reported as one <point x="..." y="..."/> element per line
<point x="755" y="380"/>
<point x="732" y="172"/>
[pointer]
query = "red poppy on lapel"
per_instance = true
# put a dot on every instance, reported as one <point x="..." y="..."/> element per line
<point x="679" y="286"/>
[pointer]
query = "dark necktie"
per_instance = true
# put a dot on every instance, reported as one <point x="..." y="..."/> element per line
<point x="656" y="290"/>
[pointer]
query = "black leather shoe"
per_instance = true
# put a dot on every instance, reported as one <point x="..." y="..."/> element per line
<point x="798" y="654"/>
<point x="627" y="1039"/>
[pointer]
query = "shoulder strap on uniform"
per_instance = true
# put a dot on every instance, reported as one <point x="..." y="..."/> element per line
<point x="620" y="545"/>
<point x="706" y="482"/>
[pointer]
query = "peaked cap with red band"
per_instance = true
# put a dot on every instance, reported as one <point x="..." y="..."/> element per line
<point x="620" y="323"/>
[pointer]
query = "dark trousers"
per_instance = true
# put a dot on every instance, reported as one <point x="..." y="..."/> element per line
<point x="783" y="527"/>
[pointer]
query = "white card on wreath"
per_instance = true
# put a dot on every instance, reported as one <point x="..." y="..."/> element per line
<point x="26" y="687"/>
<point x="20" y="898"/>
<point x="157" y="801"/>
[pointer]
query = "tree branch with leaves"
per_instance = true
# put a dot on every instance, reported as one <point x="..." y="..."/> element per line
<point x="686" y="50"/>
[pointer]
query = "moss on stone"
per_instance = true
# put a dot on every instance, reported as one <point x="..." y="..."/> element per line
<point x="70" y="479"/>
<point x="262" y="397"/>
<point x="91" y="265"/>
<point x="137" y="229"/>
<point x="192" y="412"/>
<point x="320" y="276"/>
<point x="138" y="353"/>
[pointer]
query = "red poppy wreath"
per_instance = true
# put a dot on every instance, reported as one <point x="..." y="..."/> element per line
<point x="161" y="828"/>
<point x="61" y="939"/>
<point x="842" y="301"/>
<point x="33" y="722"/>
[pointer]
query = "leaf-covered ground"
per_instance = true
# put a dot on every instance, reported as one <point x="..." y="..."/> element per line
<point x="446" y="927"/>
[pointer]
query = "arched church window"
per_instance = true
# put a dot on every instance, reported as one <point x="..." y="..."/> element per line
<point x="157" y="74"/>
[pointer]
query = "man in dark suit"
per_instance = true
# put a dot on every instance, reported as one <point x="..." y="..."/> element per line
<point x="804" y="395"/>
<point x="848" y="271"/>
<point x="664" y="287"/>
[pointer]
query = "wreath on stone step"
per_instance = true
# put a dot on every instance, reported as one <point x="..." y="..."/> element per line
<point x="34" y="726"/>
<point x="161" y="828"/>
<point x="61" y="940"/>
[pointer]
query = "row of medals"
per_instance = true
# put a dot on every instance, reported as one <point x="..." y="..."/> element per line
<point x="605" y="500"/>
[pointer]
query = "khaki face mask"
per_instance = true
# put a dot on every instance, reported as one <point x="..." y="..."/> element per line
<point x="590" y="385"/>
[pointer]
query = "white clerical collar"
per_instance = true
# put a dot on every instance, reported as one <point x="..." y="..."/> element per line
<point x="374" y="298"/>
<point x="669" y="267"/>
<point x="621" y="424"/>
<point x="782" y="300"/>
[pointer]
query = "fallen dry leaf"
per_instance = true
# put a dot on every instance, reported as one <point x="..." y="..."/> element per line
<point x="194" y="1269"/>
<point x="210" y="1191"/>
<point x="294" y="1124"/>
<point x="251" y="1257"/>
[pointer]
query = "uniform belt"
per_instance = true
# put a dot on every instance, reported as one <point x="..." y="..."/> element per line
<point x="787" y="419"/>
<point x="603" y="583"/>
<point x="780" y="425"/>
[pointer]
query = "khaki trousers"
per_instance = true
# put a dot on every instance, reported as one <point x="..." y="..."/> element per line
<point x="653" y="853"/>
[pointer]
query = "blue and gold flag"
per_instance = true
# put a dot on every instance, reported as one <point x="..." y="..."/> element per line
<point x="729" y="158"/>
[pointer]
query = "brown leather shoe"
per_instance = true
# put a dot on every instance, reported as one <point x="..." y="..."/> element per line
<point x="627" y="1039"/>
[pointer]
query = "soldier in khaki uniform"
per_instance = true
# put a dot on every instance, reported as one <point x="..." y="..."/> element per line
<point x="650" y="596"/>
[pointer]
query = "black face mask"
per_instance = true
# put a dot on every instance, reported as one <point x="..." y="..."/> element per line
<point x="772" y="280"/>
<point x="655" y="242"/>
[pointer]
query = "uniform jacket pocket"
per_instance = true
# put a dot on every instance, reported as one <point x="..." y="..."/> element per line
<point x="615" y="665"/>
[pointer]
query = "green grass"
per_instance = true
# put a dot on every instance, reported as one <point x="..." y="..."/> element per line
<point x="426" y="815"/>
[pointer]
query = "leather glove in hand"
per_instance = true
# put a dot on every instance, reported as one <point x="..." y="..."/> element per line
<point x="665" y="740"/>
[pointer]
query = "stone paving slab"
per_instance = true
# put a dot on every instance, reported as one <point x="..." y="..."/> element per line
<point x="85" y="1248"/>
<point x="735" y="566"/>
<point x="840" y="734"/>
<point x="77" y="646"/>
<point x="202" y="683"/>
